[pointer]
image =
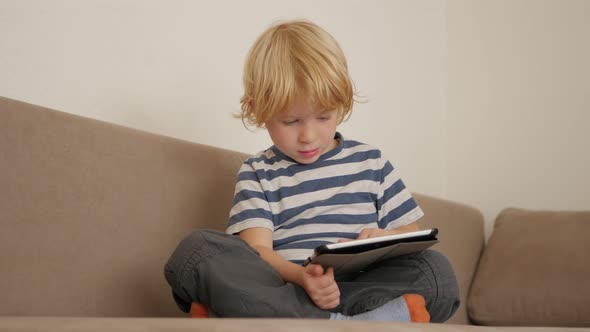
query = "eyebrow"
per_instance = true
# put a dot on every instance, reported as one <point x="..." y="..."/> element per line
<point x="297" y="116"/>
<point x="325" y="111"/>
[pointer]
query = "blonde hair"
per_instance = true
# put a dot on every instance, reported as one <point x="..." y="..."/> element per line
<point x="290" y="60"/>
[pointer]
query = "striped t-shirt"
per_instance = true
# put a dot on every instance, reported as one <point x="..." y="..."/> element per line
<point x="349" y="188"/>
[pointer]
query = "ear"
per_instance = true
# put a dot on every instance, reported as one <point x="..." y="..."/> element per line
<point x="251" y="104"/>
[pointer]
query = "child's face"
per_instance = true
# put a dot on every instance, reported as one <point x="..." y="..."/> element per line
<point x="303" y="133"/>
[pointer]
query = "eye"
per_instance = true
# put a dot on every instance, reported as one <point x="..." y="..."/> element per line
<point x="290" y="122"/>
<point x="323" y="117"/>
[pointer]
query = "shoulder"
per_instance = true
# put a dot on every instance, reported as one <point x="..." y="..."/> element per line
<point x="360" y="151"/>
<point x="265" y="164"/>
<point x="263" y="159"/>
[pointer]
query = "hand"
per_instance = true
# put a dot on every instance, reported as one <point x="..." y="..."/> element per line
<point x="370" y="233"/>
<point x="377" y="232"/>
<point x="321" y="287"/>
<point x="373" y="232"/>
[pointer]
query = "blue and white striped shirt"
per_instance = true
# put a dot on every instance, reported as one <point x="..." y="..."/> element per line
<point x="347" y="189"/>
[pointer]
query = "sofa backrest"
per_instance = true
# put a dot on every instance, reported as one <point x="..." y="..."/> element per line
<point x="91" y="211"/>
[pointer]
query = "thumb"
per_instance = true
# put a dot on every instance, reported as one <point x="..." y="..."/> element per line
<point x="316" y="270"/>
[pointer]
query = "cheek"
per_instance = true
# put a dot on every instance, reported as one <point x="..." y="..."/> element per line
<point x="279" y="136"/>
<point x="330" y="129"/>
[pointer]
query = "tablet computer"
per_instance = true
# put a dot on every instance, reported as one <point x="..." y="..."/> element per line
<point x="364" y="245"/>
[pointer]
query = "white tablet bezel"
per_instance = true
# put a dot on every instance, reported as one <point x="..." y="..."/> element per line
<point x="353" y="243"/>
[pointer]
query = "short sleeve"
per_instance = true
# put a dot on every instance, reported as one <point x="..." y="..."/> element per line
<point x="395" y="204"/>
<point x="250" y="207"/>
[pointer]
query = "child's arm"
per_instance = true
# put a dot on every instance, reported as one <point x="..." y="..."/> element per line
<point x="321" y="287"/>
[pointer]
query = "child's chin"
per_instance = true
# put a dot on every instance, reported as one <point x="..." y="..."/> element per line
<point x="306" y="161"/>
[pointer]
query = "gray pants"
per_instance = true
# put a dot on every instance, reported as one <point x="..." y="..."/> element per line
<point x="228" y="276"/>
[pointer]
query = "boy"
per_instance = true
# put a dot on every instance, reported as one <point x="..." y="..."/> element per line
<point x="311" y="187"/>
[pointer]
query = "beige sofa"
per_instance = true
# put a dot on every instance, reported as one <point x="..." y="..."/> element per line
<point x="90" y="211"/>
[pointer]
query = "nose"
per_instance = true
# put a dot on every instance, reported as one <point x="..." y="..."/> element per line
<point x="306" y="133"/>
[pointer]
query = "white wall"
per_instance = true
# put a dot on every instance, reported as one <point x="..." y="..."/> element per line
<point x="485" y="102"/>
<point x="518" y="110"/>
<point x="175" y="67"/>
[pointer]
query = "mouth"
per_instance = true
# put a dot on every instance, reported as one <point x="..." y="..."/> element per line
<point x="309" y="153"/>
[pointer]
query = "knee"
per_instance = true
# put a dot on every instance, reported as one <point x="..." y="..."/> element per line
<point x="446" y="295"/>
<point x="198" y="246"/>
<point x="187" y="255"/>
<point x="195" y="246"/>
<point x="185" y="249"/>
<point x="182" y="272"/>
<point x="441" y="269"/>
<point x="181" y="257"/>
<point x="177" y="269"/>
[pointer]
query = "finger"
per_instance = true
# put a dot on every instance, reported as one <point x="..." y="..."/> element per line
<point x="328" y="289"/>
<point x="332" y="304"/>
<point x="333" y="291"/>
<point x="370" y="233"/>
<point x="326" y="298"/>
<point x="330" y="273"/>
<point x="322" y="288"/>
<point x="344" y="240"/>
<point x="323" y="295"/>
<point x="329" y="303"/>
<point x="329" y="280"/>
<point x="323" y="283"/>
<point x="362" y="235"/>
<point x="326" y="279"/>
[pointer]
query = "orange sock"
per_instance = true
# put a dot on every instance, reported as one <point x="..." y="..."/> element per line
<point x="199" y="311"/>
<point x="417" y="308"/>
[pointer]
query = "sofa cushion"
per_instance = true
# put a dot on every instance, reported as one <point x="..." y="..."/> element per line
<point x="534" y="271"/>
